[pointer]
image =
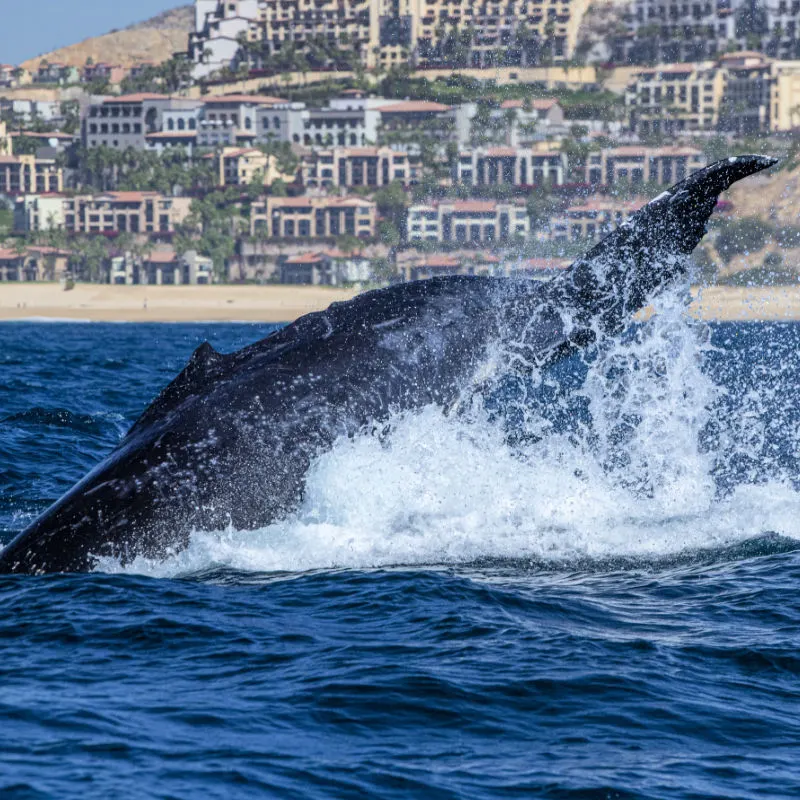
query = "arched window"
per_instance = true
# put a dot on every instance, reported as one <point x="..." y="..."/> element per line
<point x="248" y="123"/>
<point x="296" y="138"/>
<point x="181" y="124"/>
<point x="192" y="124"/>
<point x="306" y="139"/>
<point x="353" y="139"/>
<point x="170" y="124"/>
<point x="266" y="124"/>
<point x="276" y="121"/>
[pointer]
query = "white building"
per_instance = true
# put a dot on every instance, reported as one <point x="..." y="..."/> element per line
<point x="214" y="43"/>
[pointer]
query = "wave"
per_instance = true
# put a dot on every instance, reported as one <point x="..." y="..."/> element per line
<point x="64" y="418"/>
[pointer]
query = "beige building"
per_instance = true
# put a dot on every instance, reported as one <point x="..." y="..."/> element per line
<point x="512" y="166"/>
<point x="369" y="167"/>
<point x="162" y="267"/>
<point x="313" y="217"/>
<point x="635" y="164"/>
<point x="242" y="166"/>
<point x="467" y="221"/>
<point x="33" y="264"/>
<point x="676" y="98"/>
<point x="125" y="212"/>
<point x="591" y="221"/>
<point x="6" y="142"/>
<point x="326" y="268"/>
<point x="741" y="93"/>
<point x="385" y="32"/>
<point x="30" y="175"/>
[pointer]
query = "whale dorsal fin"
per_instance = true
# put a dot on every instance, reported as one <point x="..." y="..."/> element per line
<point x="205" y="364"/>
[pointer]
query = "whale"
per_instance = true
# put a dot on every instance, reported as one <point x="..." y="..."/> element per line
<point x="230" y="440"/>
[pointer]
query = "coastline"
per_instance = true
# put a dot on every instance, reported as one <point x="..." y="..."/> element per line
<point x="282" y="303"/>
<point x="219" y="303"/>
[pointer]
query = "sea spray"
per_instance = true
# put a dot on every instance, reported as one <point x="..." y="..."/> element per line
<point x="631" y="474"/>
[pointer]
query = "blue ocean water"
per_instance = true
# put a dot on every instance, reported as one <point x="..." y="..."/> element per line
<point x="603" y="607"/>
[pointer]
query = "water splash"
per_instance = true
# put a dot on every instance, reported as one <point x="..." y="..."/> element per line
<point x="630" y="474"/>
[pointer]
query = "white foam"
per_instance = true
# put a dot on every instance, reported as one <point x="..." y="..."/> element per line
<point x="448" y="489"/>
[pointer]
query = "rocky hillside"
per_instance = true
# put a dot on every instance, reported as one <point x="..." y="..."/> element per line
<point x="154" y="40"/>
<point x="773" y="196"/>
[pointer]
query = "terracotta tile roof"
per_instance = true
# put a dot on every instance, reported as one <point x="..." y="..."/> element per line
<point x="291" y="202"/>
<point x="240" y="151"/>
<point x="742" y="54"/>
<point x="257" y="99"/>
<point x="364" y="152"/>
<point x="413" y="107"/>
<point x="440" y="261"/>
<point x="336" y="254"/>
<point x="627" y="151"/>
<point x="537" y="104"/>
<point x="162" y="257"/>
<point x="545" y="263"/>
<point x="305" y="258"/>
<point x="499" y="152"/>
<point x="127" y="197"/>
<point x="6" y="254"/>
<point x="473" y="206"/>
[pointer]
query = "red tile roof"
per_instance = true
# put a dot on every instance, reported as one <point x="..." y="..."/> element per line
<point x="258" y="99"/>
<point x="440" y="261"/>
<point x="305" y="258"/>
<point x="413" y="107"/>
<point x="545" y="263"/>
<point x="171" y="135"/>
<point x="499" y="152"/>
<point x="537" y="104"/>
<point x="162" y="257"/>
<point x="46" y="135"/>
<point x="474" y="206"/>
<point x="127" y="197"/>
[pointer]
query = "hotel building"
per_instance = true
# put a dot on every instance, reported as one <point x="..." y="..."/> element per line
<point x="313" y="217"/>
<point x="467" y="221"/>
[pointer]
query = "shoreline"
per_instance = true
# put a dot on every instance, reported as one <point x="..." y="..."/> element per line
<point x="219" y="303"/>
<point x="48" y="302"/>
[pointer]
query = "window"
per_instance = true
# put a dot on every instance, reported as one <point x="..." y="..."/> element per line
<point x="181" y="124"/>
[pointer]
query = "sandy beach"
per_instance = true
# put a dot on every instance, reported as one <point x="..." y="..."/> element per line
<point x="103" y="303"/>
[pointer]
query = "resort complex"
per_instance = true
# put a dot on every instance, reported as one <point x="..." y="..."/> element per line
<point x="368" y="141"/>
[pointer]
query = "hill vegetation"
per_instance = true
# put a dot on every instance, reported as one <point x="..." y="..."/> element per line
<point x="153" y="40"/>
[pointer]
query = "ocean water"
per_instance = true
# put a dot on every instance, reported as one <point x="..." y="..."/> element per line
<point x="586" y="586"/>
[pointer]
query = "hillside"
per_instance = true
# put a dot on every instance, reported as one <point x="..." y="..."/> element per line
<point x="773" y="196"/>
<point x="153" y="40"/>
